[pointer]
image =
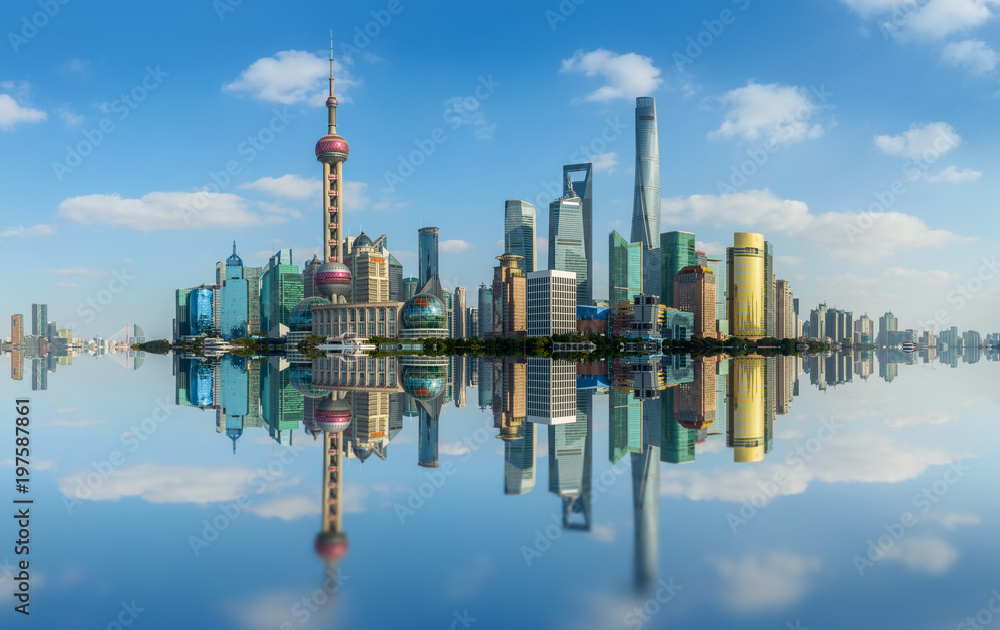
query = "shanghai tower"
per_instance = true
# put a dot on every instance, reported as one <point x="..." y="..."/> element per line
<point x="646" y="204"/>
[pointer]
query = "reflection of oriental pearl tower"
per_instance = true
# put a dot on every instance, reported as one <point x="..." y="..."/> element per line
<point x="333" y="278"/>
<point x="333" y="416"/>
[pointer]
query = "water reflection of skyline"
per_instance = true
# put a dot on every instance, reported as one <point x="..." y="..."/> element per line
<point x="661" y="409"/>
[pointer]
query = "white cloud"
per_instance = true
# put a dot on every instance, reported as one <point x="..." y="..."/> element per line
<point x="780" y="114"/>
<point x="928" y="142"/>
<point x="164" y="211"/>
<point x="292" y="76"/>
<point x="67" y="285"/>
<point x="291" y="186"/>
<point x="604" y="162"/>
<point x="453" y="448"/>
<point x="842" y="460"/>
<point x="36" y="464"/>
<point x="951" y="520"/>
<point x="75" y="68"/>
<point x="713" y="248"/>
<point x="77" y="271"/>
<point x="69" y="117"/>
<point x="774" y="580"/>
<point x="356" y="196"/>
<point x="937" y="19"/>
<point x="973" y="54"/>
<point x="836" y="233"/>
<point x="954" y="175"/>
<point x="789" y="260"/>
<point x="163" y="484"/>
<point x="925" y="554"/>
<point x="11" y="113"/>
<point x="872" y="7"/>
<point x="21" y="231"/>
<point x="460" y="111"/>
<point x="626" y="76"/>
<point x="79" y="424"/>
<point x="603" y="533"/>
<point x="454" y="246"/>
<point x="287" y="508"/>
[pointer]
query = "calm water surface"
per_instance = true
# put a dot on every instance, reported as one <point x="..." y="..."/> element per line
<point x="825" y="492"/>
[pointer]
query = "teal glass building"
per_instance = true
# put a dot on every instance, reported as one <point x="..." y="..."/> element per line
<point x="624" y="269"/>
<point x="677" y="250"/>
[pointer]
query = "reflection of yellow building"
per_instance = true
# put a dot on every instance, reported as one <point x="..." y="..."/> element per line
<point x="746" y="298"/>
<point x="745" y="426"/>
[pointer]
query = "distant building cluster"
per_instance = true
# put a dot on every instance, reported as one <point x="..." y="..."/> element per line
<point x="47" y="347"/>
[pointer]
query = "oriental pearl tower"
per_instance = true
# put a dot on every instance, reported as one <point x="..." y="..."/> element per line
<point x="333" y="278"/>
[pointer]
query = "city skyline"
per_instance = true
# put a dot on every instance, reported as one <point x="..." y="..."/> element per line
<point x="815" y="228"/>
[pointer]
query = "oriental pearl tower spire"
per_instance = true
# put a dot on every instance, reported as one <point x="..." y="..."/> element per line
<point x="333" y="278"/>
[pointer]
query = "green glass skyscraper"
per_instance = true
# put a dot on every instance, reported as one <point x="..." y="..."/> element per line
<point x="280" y="290"/>
<point x="677" y="250"/>
<point x="624" y="269"/>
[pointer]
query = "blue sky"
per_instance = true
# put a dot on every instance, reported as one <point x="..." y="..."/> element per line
<point x="848" y="95"/>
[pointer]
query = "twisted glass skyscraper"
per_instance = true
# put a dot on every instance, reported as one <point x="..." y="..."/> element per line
<point x="646" y="204"/>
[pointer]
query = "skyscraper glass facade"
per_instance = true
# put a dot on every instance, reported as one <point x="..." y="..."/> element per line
<point x="427" y="241"/>
<point x="624" y="269"/>
<point x="200" y="311"/>
<point x="252" y="276"/>
<point x="566" y="247"/>
<point x="39" y="319"/>
<point x="281" y="289"/>
<point x="584" y="189"/>
<point x="677" y="250"/>
<point x="646" y="203"/>
<point x="519" y="232"/>
<point x="235" y="309"/>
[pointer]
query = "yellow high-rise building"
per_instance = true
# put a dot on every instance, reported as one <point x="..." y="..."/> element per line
<point x="746" y="299"/>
